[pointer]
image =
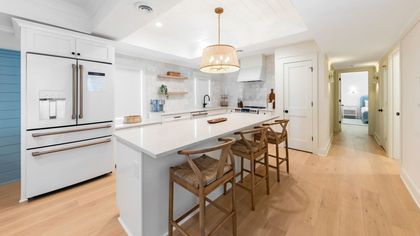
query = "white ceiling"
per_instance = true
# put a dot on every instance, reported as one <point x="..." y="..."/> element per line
<point x="357" y="32"/>
<point x="191" y="25"/>
<point x="351" y="32"/>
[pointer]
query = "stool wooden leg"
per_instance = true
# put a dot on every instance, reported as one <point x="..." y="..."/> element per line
<point x="287" y="155"/>
<point x="202" y="213"/>
<point x="171" y="206"/>
<point x="234" y="223"/>
<point x="224" y="188"/>
<point x="252" y="183"/>
<point x="277" y="162"/>
<point x="242" y="169"/>
<point x="267" y="173"/>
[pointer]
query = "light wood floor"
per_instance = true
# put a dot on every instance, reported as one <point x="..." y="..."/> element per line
<point x="353" y="191"/>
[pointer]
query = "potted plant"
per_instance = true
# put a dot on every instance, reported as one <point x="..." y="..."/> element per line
<point x="163" y="89"/>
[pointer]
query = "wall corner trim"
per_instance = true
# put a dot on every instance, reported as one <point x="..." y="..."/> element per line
<point x="323" y="152"/>
<point x="411" y="187"/>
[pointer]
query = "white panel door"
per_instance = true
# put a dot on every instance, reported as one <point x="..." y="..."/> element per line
<point x="96" y="99"/>
<point x="382" y="109"/>
<point x="396" y="105"/>
<point x="298" y="82"/>
<point x="51" y="91"/>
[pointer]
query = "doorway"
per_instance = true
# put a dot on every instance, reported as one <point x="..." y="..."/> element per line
<point x="354" y="98"/>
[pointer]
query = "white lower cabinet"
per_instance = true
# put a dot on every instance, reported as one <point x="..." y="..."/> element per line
<point x="55" y="167"/>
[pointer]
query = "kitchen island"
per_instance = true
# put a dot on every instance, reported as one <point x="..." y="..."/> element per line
<point x="143" y="157"/>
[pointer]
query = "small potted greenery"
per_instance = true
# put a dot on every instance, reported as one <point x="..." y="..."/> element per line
<point x="163" y="89"/>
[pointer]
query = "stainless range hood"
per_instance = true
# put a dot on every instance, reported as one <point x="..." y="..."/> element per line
<point x="252" y="69"/>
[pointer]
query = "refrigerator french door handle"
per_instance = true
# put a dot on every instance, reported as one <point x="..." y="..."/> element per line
<point x="74" y="91"/>
<point x="81" y="92"/>
<point x="35" y="135"/>
<point x="36" y="154"/>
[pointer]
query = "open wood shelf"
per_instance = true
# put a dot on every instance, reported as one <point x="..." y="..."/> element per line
<point x="177" y="93"/>
<point x="172" y="77"/>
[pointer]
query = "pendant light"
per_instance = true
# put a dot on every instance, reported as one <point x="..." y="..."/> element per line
<point x="219" y="58"/>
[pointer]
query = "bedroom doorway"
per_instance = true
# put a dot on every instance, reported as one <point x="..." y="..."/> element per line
<point x="354" y="98"/>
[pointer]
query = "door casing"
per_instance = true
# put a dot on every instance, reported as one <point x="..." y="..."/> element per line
<point x="279" y="85"/>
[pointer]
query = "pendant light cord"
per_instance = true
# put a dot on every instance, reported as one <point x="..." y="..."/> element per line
<point x="218" y="27"/>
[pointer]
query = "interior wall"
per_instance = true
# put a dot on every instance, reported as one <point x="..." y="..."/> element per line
<point x="9" y="116"/>
<point x="9" y="41"/>
<point x="353" y="86"/>
<point x="323" y="104"/>
<point x="410" y="111"/>
<point x="149" y="71"/>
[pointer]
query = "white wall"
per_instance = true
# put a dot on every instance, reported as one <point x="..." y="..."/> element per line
<point x="323" y="103"/>
<point x="325" y="106"/>
<point x="128" y="92"/>
<point x="410" y="111"/>
<point x="149" y="71"/>
<point x="353" y="86"/>
<point x="9" y="41"/>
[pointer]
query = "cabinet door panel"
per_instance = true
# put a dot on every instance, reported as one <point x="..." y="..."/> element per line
<point x="53" y="44"/>
<point x="95" y="51"/>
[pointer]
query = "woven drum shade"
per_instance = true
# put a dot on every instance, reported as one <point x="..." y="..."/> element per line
<point x="219" y="58"/>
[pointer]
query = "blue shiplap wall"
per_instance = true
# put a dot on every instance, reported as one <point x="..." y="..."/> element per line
<point x="9" y="116"/>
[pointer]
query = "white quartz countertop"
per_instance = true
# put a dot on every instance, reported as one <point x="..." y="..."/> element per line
<point x="160" y="140"/>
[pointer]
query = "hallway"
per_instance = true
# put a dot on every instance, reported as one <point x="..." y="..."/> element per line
<point x="356" y="190"/>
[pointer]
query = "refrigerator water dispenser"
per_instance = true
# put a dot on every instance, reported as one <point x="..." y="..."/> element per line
<point x="52" y="105"/>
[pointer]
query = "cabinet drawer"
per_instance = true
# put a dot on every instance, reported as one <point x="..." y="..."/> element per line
<point x="51" y="43"/>
<point x="95" y="51"/>
<point x="183" y="116"/>
<point x="52" y="168"/>
<point x="41" y="138"/>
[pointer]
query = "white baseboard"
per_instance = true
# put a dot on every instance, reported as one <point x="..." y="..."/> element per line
<point x="377" y="139"/>
<point x="124" y="227"/>
<point x="412" y="188"/>
<point x="323" y="152"/>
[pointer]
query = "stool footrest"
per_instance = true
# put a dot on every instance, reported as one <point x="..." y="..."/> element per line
<point x="187" y="213"/>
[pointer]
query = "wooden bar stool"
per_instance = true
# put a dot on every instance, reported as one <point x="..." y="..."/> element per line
<point x="253" y="151"/>
<point x="201" y="176"/>
<point x="277" y="138"/>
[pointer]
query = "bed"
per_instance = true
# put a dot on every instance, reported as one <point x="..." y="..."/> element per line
<point x="364" y="109"/>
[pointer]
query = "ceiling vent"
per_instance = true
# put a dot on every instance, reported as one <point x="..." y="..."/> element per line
<point x="144" y="8"/>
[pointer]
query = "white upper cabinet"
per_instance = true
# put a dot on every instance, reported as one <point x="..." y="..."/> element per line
<point x="69" y="45"/>
<point x="95" y="51"/>
<point x="51" y="43"/>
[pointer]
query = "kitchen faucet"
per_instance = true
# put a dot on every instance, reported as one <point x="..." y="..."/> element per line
<point x="204" y="100"/>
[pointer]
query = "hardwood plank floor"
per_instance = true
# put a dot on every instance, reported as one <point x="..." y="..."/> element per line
<point x="356" y="190"/>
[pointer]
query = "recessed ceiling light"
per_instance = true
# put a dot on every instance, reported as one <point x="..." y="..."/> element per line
<point x="158" y="24"/>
